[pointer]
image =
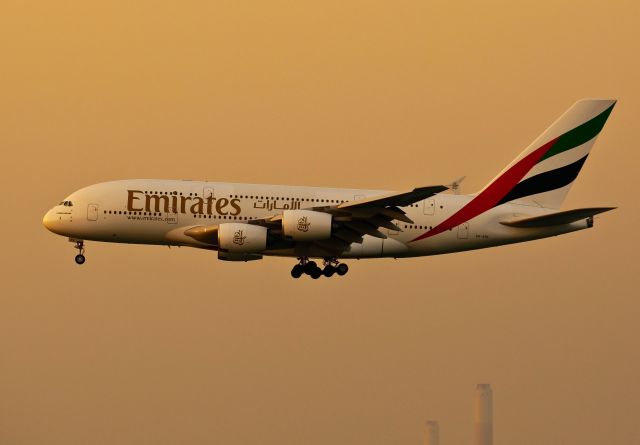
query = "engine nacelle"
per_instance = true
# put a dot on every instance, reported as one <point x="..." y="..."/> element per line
<point x="242" y="238"/>
<point x="306" y="225"/>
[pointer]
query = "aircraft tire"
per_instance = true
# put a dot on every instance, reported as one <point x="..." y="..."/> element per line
<point x="310" y="267"/>
<point x="328" y="270"/>
<point x="342" y="269"/>
<point x="297" y="271"/>
<point x="80" y="259"/>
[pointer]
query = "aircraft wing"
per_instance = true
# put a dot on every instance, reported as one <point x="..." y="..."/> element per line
<point x="352" y="220"/>
<point x="355" y="219"/>
<point x="400" y="199"/>
<point x="367" y="216"/>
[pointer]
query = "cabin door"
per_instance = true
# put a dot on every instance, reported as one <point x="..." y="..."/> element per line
<point x="208" y="192"/>
<point x="92" y="212"/>
<point x="429" y="206"/>
<point x="463" y="231"/>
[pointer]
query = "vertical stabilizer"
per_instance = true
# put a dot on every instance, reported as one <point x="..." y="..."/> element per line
<point x="543" y="173"/>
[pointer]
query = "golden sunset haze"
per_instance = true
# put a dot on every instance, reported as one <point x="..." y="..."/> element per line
<point x="150" y="345"/>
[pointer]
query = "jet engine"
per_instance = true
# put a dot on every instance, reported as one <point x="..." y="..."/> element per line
<point x="306" y="225"/>
<point x="242" y="238"/>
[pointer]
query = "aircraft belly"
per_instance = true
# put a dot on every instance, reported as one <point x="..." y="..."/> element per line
<point x="488" y="235"/>
<point x="123" y="231"/>
<point x="393" y="247"/>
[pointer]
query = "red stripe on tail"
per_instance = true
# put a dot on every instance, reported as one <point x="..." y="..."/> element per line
<point x="491" y="195"/>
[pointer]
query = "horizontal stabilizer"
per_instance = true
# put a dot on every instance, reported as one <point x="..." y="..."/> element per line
<point x="557" y="219"/>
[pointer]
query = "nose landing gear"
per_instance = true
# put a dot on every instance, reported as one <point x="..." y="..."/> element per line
<point x="80" y="259"/>
<point x="331" y="267"/>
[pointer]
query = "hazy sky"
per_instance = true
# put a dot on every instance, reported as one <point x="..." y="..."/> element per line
<point x="170" y="346"/>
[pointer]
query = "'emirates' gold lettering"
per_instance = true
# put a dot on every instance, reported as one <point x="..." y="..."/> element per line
<point x="198" y="206"/>
<point x="132" y="198"/>
<point x="220" y="205"/>
<point x="154" y="202"/>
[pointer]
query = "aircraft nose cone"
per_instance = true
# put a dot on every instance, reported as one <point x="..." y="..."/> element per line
<point x="47" y="220"/>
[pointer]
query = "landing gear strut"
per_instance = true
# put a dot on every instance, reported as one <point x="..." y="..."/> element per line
<point x="311" y="268"/>
<point x="80" y="259"/>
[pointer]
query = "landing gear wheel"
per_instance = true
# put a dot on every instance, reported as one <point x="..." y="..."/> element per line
<point x="328" y="270"/>
<point x="309" y="267"/>
<point x="297" y="271"/>
<point x="80" y="259"/>
<point x="342" y="269"/>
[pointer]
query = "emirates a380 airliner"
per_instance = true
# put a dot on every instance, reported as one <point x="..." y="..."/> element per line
<point x="243" y="222"/>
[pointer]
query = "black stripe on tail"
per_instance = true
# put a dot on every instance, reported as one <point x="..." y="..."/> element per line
<point x="545" y="182"/>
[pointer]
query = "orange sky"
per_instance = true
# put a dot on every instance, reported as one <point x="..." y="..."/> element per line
<point x="171" y="346"/>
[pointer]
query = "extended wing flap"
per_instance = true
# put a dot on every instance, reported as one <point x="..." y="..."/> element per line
<point x="355" y="219"/>
<point x="557" y="219"/>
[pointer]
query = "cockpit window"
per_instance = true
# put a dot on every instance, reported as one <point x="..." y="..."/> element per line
<point x="66" y="203"/>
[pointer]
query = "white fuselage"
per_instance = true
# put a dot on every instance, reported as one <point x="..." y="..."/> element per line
<point x="159" y="211"/>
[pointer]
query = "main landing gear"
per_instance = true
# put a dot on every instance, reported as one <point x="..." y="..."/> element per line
<point x="331" y="267"/>
<point x="80" y="259"/>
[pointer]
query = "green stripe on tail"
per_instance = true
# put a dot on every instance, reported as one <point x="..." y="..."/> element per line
<point x="579" y="135"/>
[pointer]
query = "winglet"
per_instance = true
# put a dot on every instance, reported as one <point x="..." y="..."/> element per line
<point x="455" y="185"/>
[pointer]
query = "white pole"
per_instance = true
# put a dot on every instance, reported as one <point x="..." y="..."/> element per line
<point x="431" y="433"/>
<point x="484" y="415"/>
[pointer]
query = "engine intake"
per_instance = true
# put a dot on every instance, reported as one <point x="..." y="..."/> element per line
<point x="242" y="238"/>
<point x="306" y="225"/>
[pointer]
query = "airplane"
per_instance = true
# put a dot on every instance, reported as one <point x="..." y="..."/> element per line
<point x="244" y="222"/>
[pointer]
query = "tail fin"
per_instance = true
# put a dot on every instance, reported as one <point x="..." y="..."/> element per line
<point x="543" y="174"/>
